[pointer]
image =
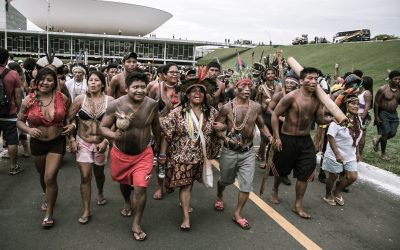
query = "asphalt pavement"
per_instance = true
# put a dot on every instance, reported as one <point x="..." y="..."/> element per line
<point x="370" y="218"/>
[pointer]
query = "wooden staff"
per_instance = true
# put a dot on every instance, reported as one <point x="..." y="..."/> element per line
<point x="267" y="169"/>
<point x="339" y="116"/>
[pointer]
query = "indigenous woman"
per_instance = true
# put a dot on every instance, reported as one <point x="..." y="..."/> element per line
<point x="366" y="103"/>
<point x="45" y="109"/>
<point x="164" y="92"/>
<point x="89" y="146"/>
<point x="186" y="129"/>
<point x="342" y="152"/>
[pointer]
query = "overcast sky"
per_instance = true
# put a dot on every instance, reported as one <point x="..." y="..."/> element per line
<point x="279" y="20"/>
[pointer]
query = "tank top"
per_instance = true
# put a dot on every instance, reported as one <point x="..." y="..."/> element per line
<point x="35" y="115"/>
<point x="361" y="101"/>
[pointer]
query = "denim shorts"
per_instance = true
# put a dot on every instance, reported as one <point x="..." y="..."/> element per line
<point x="333" y="166"/>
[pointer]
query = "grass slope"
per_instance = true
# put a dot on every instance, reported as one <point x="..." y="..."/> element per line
<point x="373" y="58"/>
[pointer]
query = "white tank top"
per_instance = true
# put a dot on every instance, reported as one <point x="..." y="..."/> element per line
<point x="361" y="102"/>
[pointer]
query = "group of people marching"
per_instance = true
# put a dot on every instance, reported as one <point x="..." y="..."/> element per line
<point x="177" y="124"/>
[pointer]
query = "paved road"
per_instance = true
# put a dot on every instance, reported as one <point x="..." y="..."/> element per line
<point x="369" y="220"/>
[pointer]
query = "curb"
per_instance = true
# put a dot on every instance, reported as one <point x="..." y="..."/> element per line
<point x="383" y="179"/>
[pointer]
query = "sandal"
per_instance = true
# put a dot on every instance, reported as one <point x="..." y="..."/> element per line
<point x="329" y="201"/>
<point x="84" y="220"/>
<point x="339" y="200"/>
<point x="16" y="170"/>
<point x="219" y="205"/>
<point x="126" y="212"/>
<point x="242" y="223"/>
<point x="139" y="236"/>
<point x="43" y="207"/>
<point x="48" y="222"/>
<point x="102" y="202"/>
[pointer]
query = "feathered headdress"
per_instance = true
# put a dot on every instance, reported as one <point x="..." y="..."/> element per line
<point x="243" y="76"/>
<point x="50" y="61"/>
<point x="207" y="84"/>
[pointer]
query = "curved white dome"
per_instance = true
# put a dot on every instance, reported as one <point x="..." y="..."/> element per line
<point x="93" y="16"/>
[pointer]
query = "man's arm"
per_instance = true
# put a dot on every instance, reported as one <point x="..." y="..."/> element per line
<point x="378" y="99"/>
<point x="320" y="117"/>
<point x="18" y="98"/>
<point x="279" y="110"/>
<point x="113" y="86"/>
<point x="261" y="125"/>
<point x="221" y="120"/>
<point x="156" y="129"/>
<point x="107" y="122"/>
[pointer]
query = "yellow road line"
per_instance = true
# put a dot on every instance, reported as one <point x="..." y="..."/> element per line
<point x="285" y="224"/>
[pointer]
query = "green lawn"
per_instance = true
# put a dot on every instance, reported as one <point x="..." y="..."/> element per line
<point x="373" y="58"/>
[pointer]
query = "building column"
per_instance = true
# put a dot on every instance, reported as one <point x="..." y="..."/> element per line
<point x="194" y="55"/>
<point x="165" y="52"/>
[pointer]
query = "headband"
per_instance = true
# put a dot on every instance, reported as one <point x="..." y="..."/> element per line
<point x="79" y="68"/>
<point x="246" y="81"/>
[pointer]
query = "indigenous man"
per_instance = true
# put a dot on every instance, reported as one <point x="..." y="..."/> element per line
<point x="291" y="83"/>
<point x="386" y="118"/>
<point x="264" y="95"/>
<point x="213" y="71"/>
<point x="237" y="157"/>
<point x="118" y="86"/>
<point x="294" y="145"/>
<point x="78" y="84"/>
<point x="131" y="158"/>
<point x="110" y="72"/>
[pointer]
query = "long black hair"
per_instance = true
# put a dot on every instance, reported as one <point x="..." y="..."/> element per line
<point x="185" y="103"/>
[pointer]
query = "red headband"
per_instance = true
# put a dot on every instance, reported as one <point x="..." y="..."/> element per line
<point x="246" y="81"/>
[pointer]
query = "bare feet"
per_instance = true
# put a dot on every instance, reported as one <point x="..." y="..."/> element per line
<point x="139" y="235"/>
<point x="158" y="194"/>
<point x="300" y="212"/>
<point x="273" y="198"/>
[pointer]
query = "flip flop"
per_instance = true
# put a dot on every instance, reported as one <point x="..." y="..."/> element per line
<point x="48" y="222"/>
<point x="339" y="200"/>
<point x="242" y="223"/>
<point x="183" y="228"/>
<point x="219" y="205"/>
<point x="102" y="202"/>
<point x="303" y="215"/>
<point x="126" y="212"/>
<point x="84" y="220"/>
<point x="139" y="236"/>
<point x="329" y="201"/>
<point x="43" y="207"/>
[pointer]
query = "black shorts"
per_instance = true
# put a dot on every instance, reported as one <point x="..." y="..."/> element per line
<point x="56" y="146"/>
<point x="298" y="153"/>
<point x="10" y="133"/>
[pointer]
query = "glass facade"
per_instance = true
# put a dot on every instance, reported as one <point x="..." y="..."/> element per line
<point x="71" y="46"/>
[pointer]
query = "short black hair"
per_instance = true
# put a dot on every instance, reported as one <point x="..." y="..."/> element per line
<point x="4" y="55"/>
<point x="214" y="64"/>
<point x="393" y="74"/>
<point x="168" y="66"/>
<point x="129" y="55"/>
<point x="367" y="83"/>
<point x="101" y="77"/>
<point x="43" y="72"/>
<point x="308" y="70"/>
<point x="29" y="64"/>
<point x="160" y="69"/>
<point x="358" y="73"/>
<point x="136" y="76"/>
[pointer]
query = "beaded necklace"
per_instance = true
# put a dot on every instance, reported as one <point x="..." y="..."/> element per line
<point x="194" y="134"/>
<point x="234" y="109"/>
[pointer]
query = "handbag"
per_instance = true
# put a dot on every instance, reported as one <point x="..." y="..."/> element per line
<point x="207" y="174"/>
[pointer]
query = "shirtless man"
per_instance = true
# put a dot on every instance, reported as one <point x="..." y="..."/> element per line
<point x="239" y="117"/>
<point x="118" y="86"/>
<point x="294" y="144"/>
<point x="110" y="72"/>
<point x="386" y="118"/>
<point x="213" y="71"/>
<point x="265" y="91"/>
<point x="131" y="157"/>
<point x="290" y="84"/>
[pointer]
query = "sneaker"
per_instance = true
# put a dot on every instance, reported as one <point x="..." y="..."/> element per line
<point x="16" y="170"/>
<point x="161" y="171"/>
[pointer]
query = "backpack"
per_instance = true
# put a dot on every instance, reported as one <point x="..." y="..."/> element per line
<point x="4" y="98"/>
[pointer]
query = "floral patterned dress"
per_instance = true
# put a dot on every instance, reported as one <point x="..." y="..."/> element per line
<point x="185" y="156"/>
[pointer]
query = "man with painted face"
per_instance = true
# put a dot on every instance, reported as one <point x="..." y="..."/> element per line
<point x="387" y="99"/>
<point x="117" y="87"/>
<point x="239" y="118"/>
<point x="131" y="158"/>
<point x="294" y="148"/>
